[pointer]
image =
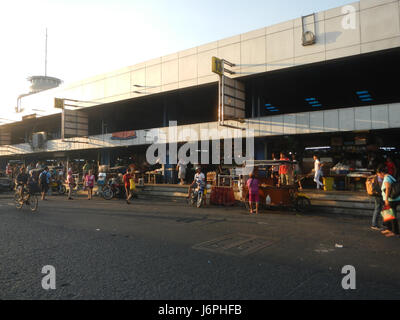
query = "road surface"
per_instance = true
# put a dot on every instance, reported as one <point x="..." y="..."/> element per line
<point x="164" y="250"/>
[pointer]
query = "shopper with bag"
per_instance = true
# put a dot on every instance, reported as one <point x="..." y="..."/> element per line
<point x="129" y="185"/>
<point x="389" y="212"/>
<point x="374" y="190"/>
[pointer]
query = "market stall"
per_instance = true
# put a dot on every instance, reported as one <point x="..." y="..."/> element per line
<point x="270" y="194"/>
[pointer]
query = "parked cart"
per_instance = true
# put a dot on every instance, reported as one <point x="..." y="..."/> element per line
<point x="270" y="194"/>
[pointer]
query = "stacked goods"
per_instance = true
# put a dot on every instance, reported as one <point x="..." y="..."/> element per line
<point x="212" y="178"/>
<point x="340" y="168"/>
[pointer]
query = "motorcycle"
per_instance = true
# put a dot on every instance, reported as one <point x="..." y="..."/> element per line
<point x="113" y="189"/>
<point x="57" y="186"/>
<point x="56" y="182"/>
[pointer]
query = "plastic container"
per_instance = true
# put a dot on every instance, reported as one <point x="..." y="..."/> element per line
<point x="328" y="182"/>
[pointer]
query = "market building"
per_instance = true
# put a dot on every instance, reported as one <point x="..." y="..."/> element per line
<point x="322" y="83"/>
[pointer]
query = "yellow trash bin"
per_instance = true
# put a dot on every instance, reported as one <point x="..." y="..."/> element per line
<point x="328" y="182"/>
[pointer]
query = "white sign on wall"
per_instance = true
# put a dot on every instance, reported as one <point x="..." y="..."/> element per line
<point x="232" y="99"/>
<point x="74" y="123"/>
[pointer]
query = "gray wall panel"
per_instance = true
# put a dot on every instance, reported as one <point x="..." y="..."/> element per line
<point x="363" y="118"/>
<point x="380" y="117"/>
<point x="346" y="119"/>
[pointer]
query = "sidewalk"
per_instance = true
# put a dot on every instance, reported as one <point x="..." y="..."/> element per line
<point x="336" y="202"/>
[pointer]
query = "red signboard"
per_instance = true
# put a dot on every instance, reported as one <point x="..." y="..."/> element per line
<point x="123" y="135"/>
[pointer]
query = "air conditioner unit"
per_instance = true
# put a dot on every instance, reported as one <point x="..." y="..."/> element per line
<point x="308" y="26"/>
<point x="39" y="140"/>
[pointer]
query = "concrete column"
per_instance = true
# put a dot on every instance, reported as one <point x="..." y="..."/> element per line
<point x="253" y="101"/>
<point x="165" y="113"/>
<point x="265" y="149"/>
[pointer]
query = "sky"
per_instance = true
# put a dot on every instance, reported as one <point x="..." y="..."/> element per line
<point x="89" y="37"/>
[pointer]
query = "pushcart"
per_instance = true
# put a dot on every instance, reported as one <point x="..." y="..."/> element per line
<point x="271" y="195"/>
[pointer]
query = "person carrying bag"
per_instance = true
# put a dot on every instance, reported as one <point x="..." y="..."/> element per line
<point x="129" y="186"/>
<point x="374" y="190"/>
<point x="389" y="212"/>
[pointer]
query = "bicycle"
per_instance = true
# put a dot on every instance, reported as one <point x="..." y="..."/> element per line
<point x="197" y="197"/>
<point x="27" y="198"/>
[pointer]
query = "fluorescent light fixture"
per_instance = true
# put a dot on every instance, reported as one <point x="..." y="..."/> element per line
<point x="366" y="100"/>
<point x="362" y="92"/>
<point x="387" y="148"/>
<point x="313" y="102"/>
<point x="365" y="96"/>
<point x="271" y="108"/>
<point x="268" y="105"/>
<point x="317" y="105"/>
<point x="318" y="148"/>
<point x="311" y="99"/>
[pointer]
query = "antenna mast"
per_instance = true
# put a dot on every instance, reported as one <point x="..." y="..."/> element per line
<point x="45" y="57"/>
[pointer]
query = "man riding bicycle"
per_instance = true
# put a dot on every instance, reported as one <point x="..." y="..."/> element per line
<point x="22" y="182"/>
<point x="199" y="181"/>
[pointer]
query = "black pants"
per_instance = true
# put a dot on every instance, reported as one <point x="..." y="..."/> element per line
<point x="394" y="224"/>
<point x="44" y="187"/>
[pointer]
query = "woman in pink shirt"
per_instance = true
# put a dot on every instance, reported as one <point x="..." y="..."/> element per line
<point x="89" y="183"/>
<point x="252" y="186"/>
<point x="71" y="184"/>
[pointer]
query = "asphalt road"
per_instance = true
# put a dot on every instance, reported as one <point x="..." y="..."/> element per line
<point x="159" y="250"/>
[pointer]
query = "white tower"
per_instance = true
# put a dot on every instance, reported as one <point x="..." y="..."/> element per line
<point x="39" y="83"/>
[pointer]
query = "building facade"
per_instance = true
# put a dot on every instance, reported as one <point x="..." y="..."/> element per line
<point x="326" y="76"/>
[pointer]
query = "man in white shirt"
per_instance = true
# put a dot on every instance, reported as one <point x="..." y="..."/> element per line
<point x="101" y="181"/>
<point x="199" y="180"/>
<point x="318" y="172"/>
<point x="181" y="167"/>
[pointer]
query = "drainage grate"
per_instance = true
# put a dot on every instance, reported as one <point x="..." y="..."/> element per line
<point x="236" y="244"/>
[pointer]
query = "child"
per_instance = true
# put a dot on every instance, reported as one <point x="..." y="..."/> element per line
<point x="89" y="183"/>
<point x="252" y="186"/>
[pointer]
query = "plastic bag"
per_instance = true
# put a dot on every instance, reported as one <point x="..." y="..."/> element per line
<point x="132" y="184"/>
<point x="388" y="214"/>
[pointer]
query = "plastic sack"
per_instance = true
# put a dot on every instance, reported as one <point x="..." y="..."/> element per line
<point x="132" y="184"/>
<point x="388" y="214"/>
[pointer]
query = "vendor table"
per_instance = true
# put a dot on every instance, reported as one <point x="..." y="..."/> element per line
<point x="340" y="177"/>
<point x="358" y="176"/>
<point x="349" y="178"/>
